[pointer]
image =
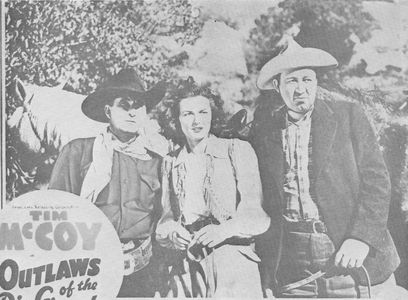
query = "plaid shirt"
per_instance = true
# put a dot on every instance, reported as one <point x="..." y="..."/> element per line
<point x="296" y="139"/>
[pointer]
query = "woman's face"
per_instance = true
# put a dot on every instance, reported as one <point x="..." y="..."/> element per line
<point x="195" y="118"/>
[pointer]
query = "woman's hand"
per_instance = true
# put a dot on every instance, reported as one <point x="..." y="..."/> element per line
<point x="211" y="235"/>
<point x="180" y="238"/>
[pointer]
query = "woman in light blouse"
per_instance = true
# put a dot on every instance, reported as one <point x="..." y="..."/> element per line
<point x="211" y="202"/>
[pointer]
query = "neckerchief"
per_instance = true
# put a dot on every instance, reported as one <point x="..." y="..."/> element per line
<point x="100" y="171"/>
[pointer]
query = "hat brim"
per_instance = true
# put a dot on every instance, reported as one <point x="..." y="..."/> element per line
<point x="303" y="58"/>
<point x="93" y="105"/>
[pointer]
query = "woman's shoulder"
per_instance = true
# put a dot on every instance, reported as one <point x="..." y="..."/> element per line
<point x="235" y="143"/>
<point x="232" y="146"/>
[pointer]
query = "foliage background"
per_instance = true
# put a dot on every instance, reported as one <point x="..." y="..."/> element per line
<point x="81" y="43"/>
<point x="220" y="43"/>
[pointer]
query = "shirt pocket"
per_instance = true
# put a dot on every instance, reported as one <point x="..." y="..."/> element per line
<point x="146" y="194"/>
<point x="152" y="182"/>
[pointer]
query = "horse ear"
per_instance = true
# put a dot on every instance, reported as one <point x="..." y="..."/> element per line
<point x="20" y="91"/>
<point x="236" y="125"/>
<point x="239" y="120"/>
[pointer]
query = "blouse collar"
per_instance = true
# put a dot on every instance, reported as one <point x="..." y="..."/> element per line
<point x="210" y="146"/>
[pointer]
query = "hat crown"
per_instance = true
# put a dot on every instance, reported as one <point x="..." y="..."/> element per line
<point x="291" y="47"/>
<point x="125" y="83"/>
<point x="294" y="56"/>
<point x="126" y="79"/>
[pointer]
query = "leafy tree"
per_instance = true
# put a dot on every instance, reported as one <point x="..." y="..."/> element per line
<point x="91" y="39"/>
<point x="324" y="24"/>
<point x="82" y="42"/>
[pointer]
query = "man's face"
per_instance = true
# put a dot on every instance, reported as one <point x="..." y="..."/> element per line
<point x="298" y="89"/>
<point x="195" y="118"/>
<point x="126" y="116"/>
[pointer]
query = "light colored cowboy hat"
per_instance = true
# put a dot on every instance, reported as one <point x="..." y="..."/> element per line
<point x="126" y="83"/>
<point x="293" y="56"/>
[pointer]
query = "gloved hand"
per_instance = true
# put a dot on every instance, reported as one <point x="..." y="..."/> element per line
<point x="351" y="254"/>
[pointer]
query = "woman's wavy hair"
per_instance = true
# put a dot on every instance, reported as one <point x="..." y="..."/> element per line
<point x="169" y="116"/>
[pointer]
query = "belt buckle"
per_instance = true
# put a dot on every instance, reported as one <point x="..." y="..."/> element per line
<point x="318" y="226"/>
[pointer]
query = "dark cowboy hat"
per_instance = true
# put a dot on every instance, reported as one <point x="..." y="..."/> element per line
<point x="124" y="84"/>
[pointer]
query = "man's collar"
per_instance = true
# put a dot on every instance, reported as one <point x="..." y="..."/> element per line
<point x="320" y="109"/>
<point x="304" y="119"/>
<point x="153" y="142"/>
<point x="272" y="121"/>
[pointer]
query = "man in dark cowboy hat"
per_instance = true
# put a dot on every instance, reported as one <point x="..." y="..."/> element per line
<point x="118" y="171"/>
<point x="325" y="186"/>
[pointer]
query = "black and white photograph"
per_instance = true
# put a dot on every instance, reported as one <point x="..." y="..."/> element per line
<point x="204" y="149"/>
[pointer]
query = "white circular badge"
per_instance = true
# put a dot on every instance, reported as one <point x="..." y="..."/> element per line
<point x="56" y="245"/>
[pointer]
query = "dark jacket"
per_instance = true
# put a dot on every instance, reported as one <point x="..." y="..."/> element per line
<point x="352" y="185"/>
<point x="131" y="200"/>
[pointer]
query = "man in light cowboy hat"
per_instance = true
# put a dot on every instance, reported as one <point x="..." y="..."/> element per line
<point x="119" y="170"/>
<point x="325" y="186"/>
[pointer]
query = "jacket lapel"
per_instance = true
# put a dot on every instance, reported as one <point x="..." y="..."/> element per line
<point x="273" y="147"/>
<point x="324" y="128"/>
